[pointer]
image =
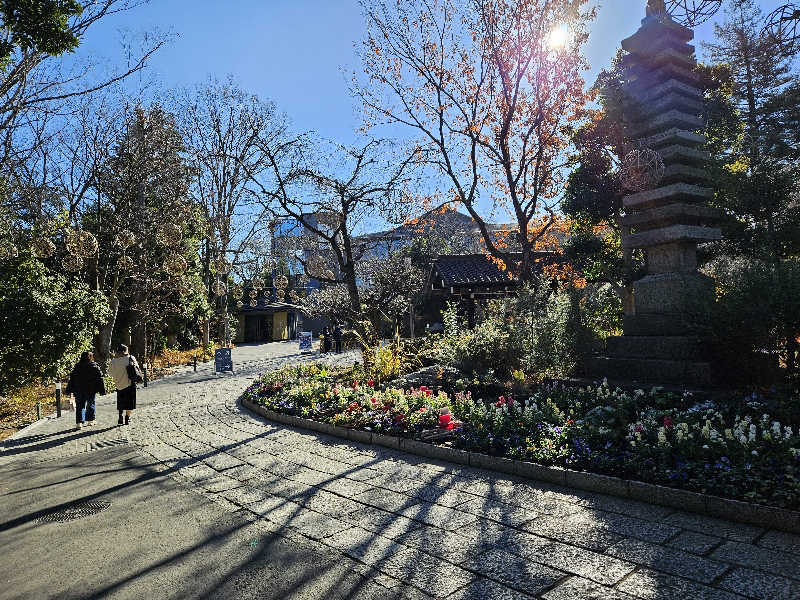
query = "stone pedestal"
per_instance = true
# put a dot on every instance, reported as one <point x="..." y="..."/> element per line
<point x="663" y="340"/>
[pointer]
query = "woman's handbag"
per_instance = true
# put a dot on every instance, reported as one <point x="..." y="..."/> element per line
<point x="134" y="372"/>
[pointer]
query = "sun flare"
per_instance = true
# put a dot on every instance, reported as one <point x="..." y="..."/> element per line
<point x="559" y="36"/>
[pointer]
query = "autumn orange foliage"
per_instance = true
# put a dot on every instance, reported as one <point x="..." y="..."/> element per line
<point x="492" y="101"/>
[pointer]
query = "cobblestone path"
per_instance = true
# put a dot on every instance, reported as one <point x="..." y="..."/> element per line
<point x="418" y="528"/>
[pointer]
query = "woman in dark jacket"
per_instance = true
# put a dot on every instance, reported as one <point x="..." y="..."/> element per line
<point x="85" y="382"/>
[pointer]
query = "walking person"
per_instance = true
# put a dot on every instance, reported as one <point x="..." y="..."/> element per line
<point x="337" y="337"/>
<point x="126" y="373"/>
<point x="326" y="339"/>
<point x="85" y="382"/>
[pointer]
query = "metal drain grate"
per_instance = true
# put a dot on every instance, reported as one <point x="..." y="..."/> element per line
<point x="76" y="510"/>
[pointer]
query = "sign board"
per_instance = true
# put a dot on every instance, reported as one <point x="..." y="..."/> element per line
<point x="223" y="360"/>
<point x="305" y="341"/>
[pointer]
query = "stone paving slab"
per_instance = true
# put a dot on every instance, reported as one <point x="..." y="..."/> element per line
<point x="748" y="555"/>
<point x="696" y="543"/>
<point x="781" y="541"/>
<point x="426" y="572"/>
<point x="738" y="532"/>
<point x="482" y="589"/>
<point x="514" y="571"/>
<point x="755" y="584"/>
<point x="576" y="588"/>
<point x="668" y="560"/>
<point x="648" y="584"/>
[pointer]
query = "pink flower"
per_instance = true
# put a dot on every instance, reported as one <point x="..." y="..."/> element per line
<point x="335" y="390"/>
<point x="355" y="384"/>
<point x="500" y="401"/>
<point x="638" y="428"/>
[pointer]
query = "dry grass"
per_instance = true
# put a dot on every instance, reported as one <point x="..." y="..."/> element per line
<point x="19" y="409"/>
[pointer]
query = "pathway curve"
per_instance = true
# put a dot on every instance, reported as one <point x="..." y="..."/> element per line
<point x="419" y="528"/>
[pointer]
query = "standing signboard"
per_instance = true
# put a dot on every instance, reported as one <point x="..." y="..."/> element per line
<point x="223" y="361"/>
<point x="305" y="342"/>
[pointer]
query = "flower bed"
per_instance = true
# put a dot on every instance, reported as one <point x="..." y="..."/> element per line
<point x="737" y="450"/>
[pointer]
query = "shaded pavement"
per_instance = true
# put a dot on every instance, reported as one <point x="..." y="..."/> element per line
<point x="208" y="500"/>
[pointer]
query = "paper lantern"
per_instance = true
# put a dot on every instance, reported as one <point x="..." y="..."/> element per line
<point x="689" y="13"/>
<point x="222" y="265"/>
<point x="8" y="250"/>
<point x="125" y="263"/>
<point x="124" y="239"/>
<point x="81" y="243"/>
<point x="782" y="28"/>
<point x="642" y="169"/>
<point x="258" y="283"/>
<point x="169" y="234"/>
<point x="175" y="265"/>
<point x="253" y="293"/>
<point x="42" y="248"/>
<point x="254" y="303"/>
<point x="72" y="263"/>
<point x="281" y="282"/>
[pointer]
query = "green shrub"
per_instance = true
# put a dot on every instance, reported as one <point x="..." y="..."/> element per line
<point x="755" y="319"/>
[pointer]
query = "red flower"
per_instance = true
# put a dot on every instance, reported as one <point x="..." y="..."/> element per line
<point x="422" y="409"/>
<point x="373" y="400"/>
<point x="429" y="392"/>
<point x="335" y="390"/>
<point x="638" y="428"/>
<point x="354" y="406"/>
<point x="668" y="422"/>
<point x="371" y="383"/>
<point x="500" y="401"/>
<point x="570" y="422"/>
<point x="355" y="384"/>
<point x="399" y="417"/>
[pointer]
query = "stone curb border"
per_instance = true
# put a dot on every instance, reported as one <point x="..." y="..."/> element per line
<point x="733" y="510"/>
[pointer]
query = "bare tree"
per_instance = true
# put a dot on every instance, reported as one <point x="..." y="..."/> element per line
<point x="331" y="191"/>
<point x="36" y="86"/>
<point x="491" y="89"/>
<point x="222" y="125"/>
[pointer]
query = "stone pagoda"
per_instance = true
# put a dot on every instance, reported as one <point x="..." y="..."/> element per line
<point x="662" y="340"/>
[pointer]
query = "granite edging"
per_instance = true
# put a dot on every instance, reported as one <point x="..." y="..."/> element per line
<point x="714" y="506"/>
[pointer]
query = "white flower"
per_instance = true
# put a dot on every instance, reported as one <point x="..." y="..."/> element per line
<point x="776" y="428"/>
<point x="787" y="432"/>
<point x="752" y="436"/>
<point x="662" y="437"/>
<point x="754" y="453"/>
<point x="728" y="434"/>
<point x="705" y="446"/>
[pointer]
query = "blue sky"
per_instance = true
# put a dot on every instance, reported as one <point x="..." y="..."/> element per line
<point x="293" y="51"/>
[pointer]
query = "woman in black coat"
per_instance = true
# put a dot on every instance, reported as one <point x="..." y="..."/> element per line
<point x="85" y="382"/>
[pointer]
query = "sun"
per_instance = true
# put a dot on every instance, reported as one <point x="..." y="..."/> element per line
<point x="559" y="36"/>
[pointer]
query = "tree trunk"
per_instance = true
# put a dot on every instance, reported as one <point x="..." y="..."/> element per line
<point x="102" y="341"/>
<point x="139" y="341"/>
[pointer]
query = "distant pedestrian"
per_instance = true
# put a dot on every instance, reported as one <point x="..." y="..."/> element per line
<point x="126" y="372"/>
<point x="326" y="340"/>
<point x="85" y="382"/>
<point x="337" y="338"/>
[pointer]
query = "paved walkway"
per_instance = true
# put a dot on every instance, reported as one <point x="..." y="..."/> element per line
<point x="216" y="502"/>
